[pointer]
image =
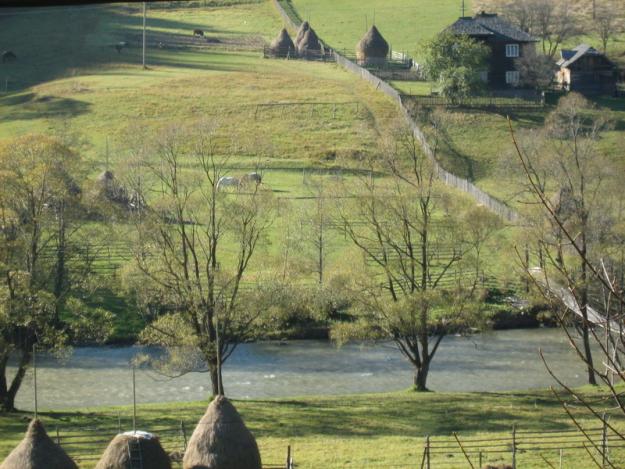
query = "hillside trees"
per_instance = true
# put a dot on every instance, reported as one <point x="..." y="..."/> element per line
<point x="455" y="63"/>
<point x="194" y="245"/>
<point x="419" y="282"/>
<point x="581" y="237"/>
<point x="43" y="268"/>
<point x="567" y="166"/>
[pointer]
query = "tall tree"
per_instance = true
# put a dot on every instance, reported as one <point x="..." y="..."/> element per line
<point x="456" y="62"/>
<point x="567" y="164"/>
<point x="194" y="247"/>
<point x="417" y="286"/>
<point x="41" y="269"/>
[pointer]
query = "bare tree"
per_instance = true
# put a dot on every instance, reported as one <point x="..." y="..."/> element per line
<point x="551" y="21"/>
<point x="566" y="163"/>
<point x="607" y="22"/>
<point x="415" y="288"/>
<point x="194" y="248"/>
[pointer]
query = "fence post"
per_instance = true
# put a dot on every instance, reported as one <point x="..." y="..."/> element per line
<point x="58" y="437"/>
<point x="288" y="457"/>
<point x="513" y="446"/>
<point x="119" y="423"/>
<point x="480" y="459"/>
<point x="427" y="452"/>
<point x="561" y="452"/>
<point x="604" y="442"/>
<point x="183" y="432"/>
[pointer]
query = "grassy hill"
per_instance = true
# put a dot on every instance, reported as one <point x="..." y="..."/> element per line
<point x="404" y="23"/>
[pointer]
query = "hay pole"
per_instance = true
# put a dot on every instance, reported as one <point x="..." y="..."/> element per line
<point x="35" y="379"/>
<point x="513" y="446"/>
<point x="134" y="400"/>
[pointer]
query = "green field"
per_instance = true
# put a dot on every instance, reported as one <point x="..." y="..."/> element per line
<point x="364" y="431"/>
<point x="405" y="24"/>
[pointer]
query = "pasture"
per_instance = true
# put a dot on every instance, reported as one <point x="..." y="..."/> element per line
<point x="376" y="430"/>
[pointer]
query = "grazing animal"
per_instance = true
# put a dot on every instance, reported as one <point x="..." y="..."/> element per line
<point x="198" y="32"/>
<point x="228" y="181"/>
<point x="8" y="56"/>
<point x="252" y="177"/>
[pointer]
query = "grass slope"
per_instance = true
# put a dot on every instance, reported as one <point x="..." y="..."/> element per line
<point x="380" y="430"/>
<point x="404" y="23"/>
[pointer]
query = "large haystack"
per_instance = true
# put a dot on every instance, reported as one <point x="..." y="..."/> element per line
<point x="309" y="46"/>
<point x="134" y="446"/>
<point x="303" y="28"/>
<point x="38" y="451"/>
<point x="372" y="49"/>
<point x="282" y="46"/>
<point x="221" y="441"/>
<point x="109" y="188"/>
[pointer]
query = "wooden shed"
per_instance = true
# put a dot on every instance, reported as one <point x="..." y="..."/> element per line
<point x="587" y="71"/>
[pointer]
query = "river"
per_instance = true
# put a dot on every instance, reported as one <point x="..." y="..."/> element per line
<point x="495" y="361"/>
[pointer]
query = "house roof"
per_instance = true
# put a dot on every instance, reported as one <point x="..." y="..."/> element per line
<point x="570" y="56"/>
<point x="489" y="24"/>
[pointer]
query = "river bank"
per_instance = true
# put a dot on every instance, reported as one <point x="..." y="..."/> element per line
<point x="493" y="361"/>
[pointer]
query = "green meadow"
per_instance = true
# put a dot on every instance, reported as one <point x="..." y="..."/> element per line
<point x="357" y="431"/>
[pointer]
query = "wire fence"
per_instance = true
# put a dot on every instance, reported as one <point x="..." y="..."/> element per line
<point x="86" y="444"/>
<point x="561" y="449"/>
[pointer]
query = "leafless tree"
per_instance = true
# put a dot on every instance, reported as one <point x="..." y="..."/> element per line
<point x="194" y="247"/>
<point x="567" y="289"/>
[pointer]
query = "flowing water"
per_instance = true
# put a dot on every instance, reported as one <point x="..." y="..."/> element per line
<point x="496" y="361"/>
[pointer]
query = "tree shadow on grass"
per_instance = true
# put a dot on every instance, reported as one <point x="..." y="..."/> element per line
<point x="34" y="106"/>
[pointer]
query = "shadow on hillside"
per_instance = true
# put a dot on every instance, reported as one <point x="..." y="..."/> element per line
<point x="33" y="106"/>
<point x="63" y="41"/>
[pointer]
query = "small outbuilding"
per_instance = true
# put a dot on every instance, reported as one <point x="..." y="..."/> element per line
<point x="38" y="451"/>
<point x="587" y="71"/>
<point x="283" y="46"/>
<point x="372" y="49"/>
<point x="221" y="440"/>
<point x="305" y="26"/>
<point x="131" y="448"/>
<point x="309" y="46"/>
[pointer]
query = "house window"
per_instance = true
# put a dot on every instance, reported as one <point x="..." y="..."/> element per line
<point x="512" y="50"/>
<point x="512" y="78"/>
<point x="484" y="76"/>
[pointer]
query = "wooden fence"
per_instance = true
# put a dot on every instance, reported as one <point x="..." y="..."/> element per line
<point x="476" y="102"/>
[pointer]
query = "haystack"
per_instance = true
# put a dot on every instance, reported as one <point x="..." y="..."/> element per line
<point x="38" y="451"/>
<point x="372" y="49"/>
<point x="305" y="26"/>
<point x="134" y="446"/>
<point x="309" y="45"/>
<point x="221" y="441"/>
<point x="110" y="188"/>
<point x="282" y="46"/>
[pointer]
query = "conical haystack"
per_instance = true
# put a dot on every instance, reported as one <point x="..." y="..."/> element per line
<point x="305" y="26"/>
<point x="130" y="446"/>
<point x="221" y="441"/>
<point x="309" y="45"/>
<point x="283" y="46"/>
<point x="38" y="451"/>
<point x="372" y="48"/>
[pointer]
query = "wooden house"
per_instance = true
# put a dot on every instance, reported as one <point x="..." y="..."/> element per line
<point x="587" y="71"/>
<point x="507" y="44"/>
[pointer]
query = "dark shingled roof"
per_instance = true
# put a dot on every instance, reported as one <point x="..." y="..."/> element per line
<point x="486" y="24"/>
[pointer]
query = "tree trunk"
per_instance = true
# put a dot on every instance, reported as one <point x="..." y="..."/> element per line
<point x="421" y="377"/>
<point x="7" y="395"/>
<point x="217" y="384"/>
<point x="586" y="325"/>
